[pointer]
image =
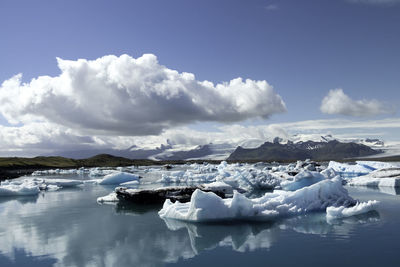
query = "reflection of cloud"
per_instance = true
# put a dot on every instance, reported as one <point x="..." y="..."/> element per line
<point x="71" y="228"/>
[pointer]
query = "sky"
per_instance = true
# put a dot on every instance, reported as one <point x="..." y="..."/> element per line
<point x="112" y="74"/>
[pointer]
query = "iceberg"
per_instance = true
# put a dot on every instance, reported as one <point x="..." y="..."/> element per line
<point x="133" y="183"/>
<point x="110" y="198"/>
<point x="378" y="178"/>
<point x="206" y="206"/>
<point x="359" y="208"/>
<point x="117" y="178"/>
<point x="302" y="179"/>
<point x="374" y="182"/>
<point x="17" y="188"/>
<point x="348" y="170"/>
<point x="60" y="182"/>
<point x="377" y="165"/>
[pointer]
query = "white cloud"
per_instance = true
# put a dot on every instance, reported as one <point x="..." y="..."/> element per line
<point x="337" y="102"/>
<point x="128" y="96"/>
<point x="271" y="7"/>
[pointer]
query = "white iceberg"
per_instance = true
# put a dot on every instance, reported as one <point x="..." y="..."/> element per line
<point x="61" y="182"/>
<point x="110" y="198"/>
<point x="374" y="182"/>
<point x="349" y="170"/>
<point x="18" y="188"/>
<point x="209" y="207"/>
<point x="378" y="178"/>
<point x="302" y="179"/>
<point x="117" y="178"/>
<point x="377" y="165"/>
<point x="133" y="183"/>
<point x="218" y="186"/>
<point x="359" y="208"/>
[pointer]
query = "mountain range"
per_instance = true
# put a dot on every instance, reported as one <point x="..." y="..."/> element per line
<point x="298" y="147"/>
<point x="275" y="151"/>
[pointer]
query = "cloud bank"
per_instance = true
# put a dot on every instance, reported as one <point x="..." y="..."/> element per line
<point x="128" y="96"/>
<point x="337" y="102"/>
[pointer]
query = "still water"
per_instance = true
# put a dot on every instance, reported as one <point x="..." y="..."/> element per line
<point x="69" y="228"/>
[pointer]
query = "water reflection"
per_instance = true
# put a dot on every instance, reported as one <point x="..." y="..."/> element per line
<point x="244" y="237"/>
<point x="68" y="227"/>
<point x="20" y="199"/>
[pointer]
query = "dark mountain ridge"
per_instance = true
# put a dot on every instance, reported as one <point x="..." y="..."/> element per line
<point x="302" y="150"/>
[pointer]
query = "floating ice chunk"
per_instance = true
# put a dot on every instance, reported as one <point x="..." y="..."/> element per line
<point x="23" y="188"/>
<point x="385" y="173"/>
<point x="329" y="173"/>
<point x="117" y="178"/>
<point x="347" y="170"/>
<point x="62" y="182"/>
<point x="209" y="207"/>
<point x="374" y="182"/>
<point x="112" y="197"/>
<point x="131" y="183"/>
<point x="359" y="208"/>
<point x="250" y="179"/>
<point x="377" y="165"/>
<point x="55" y="172"/>
<point x="51" y="187"/>
<point x="95" y="172"/>
<point x="92" y="181"/>
<point x="302" y="179"/>
<point x="378" y="178"/>
<point x="218" y="186"/>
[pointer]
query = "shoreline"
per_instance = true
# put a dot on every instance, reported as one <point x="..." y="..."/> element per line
<point x="14" y="167"/>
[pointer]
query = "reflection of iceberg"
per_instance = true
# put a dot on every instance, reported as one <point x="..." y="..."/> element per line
<point x="125" y="207"/>
<point x="244" y="237"/>
<point x="241" y="237"/>
<point x="20" y="199"/>
<point x="143" y="240"/>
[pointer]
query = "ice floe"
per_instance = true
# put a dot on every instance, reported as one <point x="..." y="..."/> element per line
<point x="206" y="206"/>
<point x="359" y="208"/>
<point x="19" y="188"/>
<point x="110" y="198"/>
<point x="378" y="178"/>
<point x="117" y="178"/>
<point x="349" y="170"/>
<point x="302" y="179"/>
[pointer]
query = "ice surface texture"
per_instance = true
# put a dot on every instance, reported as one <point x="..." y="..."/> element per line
<point x="209" y="207"/>
<point x="117" y="178"/>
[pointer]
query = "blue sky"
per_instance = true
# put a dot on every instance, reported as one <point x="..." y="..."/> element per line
<point x="303" y="49"/>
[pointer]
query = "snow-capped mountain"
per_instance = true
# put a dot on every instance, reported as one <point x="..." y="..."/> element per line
<point x="218" y="151"/>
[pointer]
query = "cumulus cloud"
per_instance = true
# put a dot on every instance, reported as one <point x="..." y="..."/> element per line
<point x="127" y="96"/>
<point x="337" y="102"/>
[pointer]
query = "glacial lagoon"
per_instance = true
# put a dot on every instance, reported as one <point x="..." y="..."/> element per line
<point x="68" y="227"/>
